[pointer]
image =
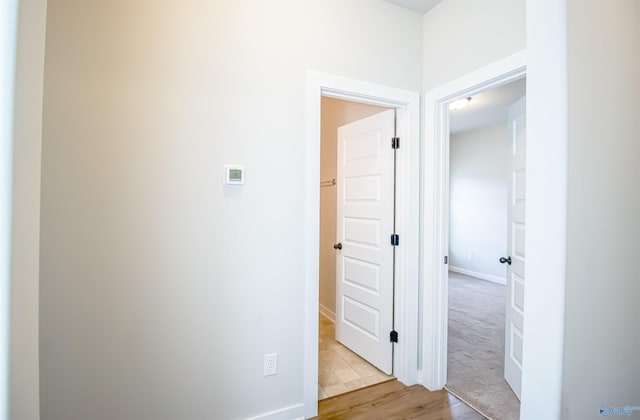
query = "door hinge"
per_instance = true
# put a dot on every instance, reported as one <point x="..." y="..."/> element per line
<point x="395" y="239"/>
<point x="393" y="336"/>
<point x="446" y="259"/>
<point x="395" y="142"/>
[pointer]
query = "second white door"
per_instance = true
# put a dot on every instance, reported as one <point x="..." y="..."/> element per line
<point x="365" y="223"/>
<point x="515" y="244"/>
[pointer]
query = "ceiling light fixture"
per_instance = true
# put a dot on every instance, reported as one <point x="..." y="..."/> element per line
<point x="459" y="104"/>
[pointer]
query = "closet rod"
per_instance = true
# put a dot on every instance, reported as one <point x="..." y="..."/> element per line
<point x="328" y="183"/>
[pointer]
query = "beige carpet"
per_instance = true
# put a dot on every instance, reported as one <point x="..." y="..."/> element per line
<point x="476" y="347"/>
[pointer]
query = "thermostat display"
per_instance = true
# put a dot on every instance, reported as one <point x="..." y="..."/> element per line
<point x="233" y="175"/>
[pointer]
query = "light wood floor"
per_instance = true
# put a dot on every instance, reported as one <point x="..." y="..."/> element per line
<point x="392" y="400"/>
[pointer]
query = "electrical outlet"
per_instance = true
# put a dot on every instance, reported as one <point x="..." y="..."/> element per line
<point x="270" y="364"/>
<point x="470" y="256"/>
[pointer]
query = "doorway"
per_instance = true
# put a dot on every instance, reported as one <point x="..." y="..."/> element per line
<point x="406" y="104"/>
<point x="342" y="365"/>
<point x="481" y="138"/>
<point x="434" y="233"/>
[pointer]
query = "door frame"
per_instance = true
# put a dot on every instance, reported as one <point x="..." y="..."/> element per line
<point x="435" y="233"/>
<point x="407" y="104"/>
<point x="8" y="48"/>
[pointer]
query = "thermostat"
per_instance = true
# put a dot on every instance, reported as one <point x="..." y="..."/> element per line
<point x="233" y="175"/>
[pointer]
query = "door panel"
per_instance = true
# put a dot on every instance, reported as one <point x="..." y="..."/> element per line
<point x="363" y="189"/>
<point x="361" y="317"/>
<point x="364" y="272"/>
<point x="515" y="245"/>
<point x="362" y="231"/>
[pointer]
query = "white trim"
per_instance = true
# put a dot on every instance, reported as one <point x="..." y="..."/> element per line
<point x="328" y="313"/>
<point x="435" y="183"/>
<point x="293" y="412"/>
<point x="478" y="275"/>
<point x="407" y="213"/>
<point x="546" y="210"/>
<point x="8" y="40"/>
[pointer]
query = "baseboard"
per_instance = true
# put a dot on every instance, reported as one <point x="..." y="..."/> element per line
<point x="293" y="412"/>
<point x="488" y="277"/>
<point x="327" y="312"/>
<point x="419" y="377"/>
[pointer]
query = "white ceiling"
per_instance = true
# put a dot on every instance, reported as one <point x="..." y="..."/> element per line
<point x="419" y="6"/>
<point x="486" y="108"/>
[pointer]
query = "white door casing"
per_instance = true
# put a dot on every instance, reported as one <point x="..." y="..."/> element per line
<point x="364" y="266"/>
<point x="546" y="209"/>
<point x="406" y="105"/>
<point x="515" y="246"/>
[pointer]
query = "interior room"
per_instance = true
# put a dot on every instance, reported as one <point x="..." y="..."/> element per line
<point x="479" y="179"/>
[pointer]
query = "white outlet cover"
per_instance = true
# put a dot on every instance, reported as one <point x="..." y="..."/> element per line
<point x="270" y="364"/>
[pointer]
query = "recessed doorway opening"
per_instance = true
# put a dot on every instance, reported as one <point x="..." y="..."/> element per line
<point x="480" y="183"/>
<point x="405" y="105"/>
<point x="345" y="358"/>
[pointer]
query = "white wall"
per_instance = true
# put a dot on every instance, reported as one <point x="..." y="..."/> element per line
<point x="478" y="200"/>
<point x="602" y="338"/>
<point x="23" y="381"/>
<point x="160" y="289"/>
<point x="335" y="113"/>
<point x="461" y="36"/>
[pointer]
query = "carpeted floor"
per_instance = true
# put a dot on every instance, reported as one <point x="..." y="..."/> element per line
<point x="476" y="347"/>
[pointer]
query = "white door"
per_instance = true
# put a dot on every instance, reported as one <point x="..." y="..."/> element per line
<point x="364" y="272"/>
<point x="515" y="246"/>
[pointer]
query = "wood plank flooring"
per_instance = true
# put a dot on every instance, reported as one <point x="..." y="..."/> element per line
<point x="393" y="400"/>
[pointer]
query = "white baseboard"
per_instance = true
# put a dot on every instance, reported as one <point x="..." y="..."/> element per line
<point x="293" y="412"/>
<point x="419" y="377"/>
<point x="488" y="277"/>
<point x="327" y="312"/>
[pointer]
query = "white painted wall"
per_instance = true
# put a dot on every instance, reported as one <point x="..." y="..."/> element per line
<point x="24" y="376"/>
<point x="160" y="289"/>
<point x="602" y="338"/>
<point x="478" y="218"/>
<point x="335" y="113"/>
<point x="461" y="36"/>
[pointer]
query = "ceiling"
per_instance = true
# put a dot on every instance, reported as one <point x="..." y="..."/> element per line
<point x="486" y="108"/>
<point x="419" y="6"/>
